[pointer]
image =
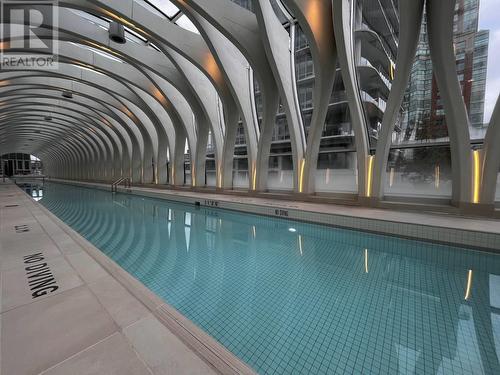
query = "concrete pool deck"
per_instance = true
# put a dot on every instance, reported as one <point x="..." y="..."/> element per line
<point x="68" y="309"/>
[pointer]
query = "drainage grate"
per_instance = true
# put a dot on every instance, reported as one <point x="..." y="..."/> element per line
<point x="12" y="205"/>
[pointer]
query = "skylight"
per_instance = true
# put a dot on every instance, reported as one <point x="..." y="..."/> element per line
<point x="165" y="6"/>
<point x="186" y="23"/>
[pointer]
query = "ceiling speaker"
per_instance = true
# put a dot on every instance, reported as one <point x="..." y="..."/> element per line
<point x="117" y="32"/>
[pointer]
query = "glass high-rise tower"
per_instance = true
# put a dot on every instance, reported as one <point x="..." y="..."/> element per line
<point x="423" y="117"/>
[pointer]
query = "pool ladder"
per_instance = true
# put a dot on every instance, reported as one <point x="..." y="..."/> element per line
<point x="124" y="180"/>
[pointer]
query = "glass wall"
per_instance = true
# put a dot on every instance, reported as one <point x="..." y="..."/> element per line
<point x="424" y="171"/>
<point x="187" y="166"/>
<point x="280" y="172"/>
<point x="471" y="49"/>
<point x="415" y="167"/>
<point x="423" y="118"/>
<point x="210" y="165"/>
<point x="304" y="75"/>
<point x="337" y="172"/>
<point x="490" y="26"/>
<point x="336" y="166"/>
<point x="497" y="195"/>
<point x="241" y="177"/>
<point x="420" y="142"/>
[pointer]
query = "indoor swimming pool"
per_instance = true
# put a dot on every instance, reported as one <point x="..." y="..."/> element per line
<point x="297" y="298"/>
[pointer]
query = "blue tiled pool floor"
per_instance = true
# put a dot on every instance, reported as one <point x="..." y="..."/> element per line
<point x="295" y="298"/>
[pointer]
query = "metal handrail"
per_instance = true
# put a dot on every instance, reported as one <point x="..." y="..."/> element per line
<point x="114" y="185"/>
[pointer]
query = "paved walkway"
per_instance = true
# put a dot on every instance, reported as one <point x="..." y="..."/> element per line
<point x="62" y="313"/>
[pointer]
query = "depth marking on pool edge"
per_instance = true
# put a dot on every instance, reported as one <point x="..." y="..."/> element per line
<point x="41" y="281"/>
<point x="211" y="203"/>
<point x="281" y="212"/>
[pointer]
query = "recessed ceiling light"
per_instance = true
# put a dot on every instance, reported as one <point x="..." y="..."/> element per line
<point x="293" y="230"/>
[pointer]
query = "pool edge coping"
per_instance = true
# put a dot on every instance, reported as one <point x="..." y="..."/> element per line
<point x="201" y="343"/>
<point x="414" y="231"/>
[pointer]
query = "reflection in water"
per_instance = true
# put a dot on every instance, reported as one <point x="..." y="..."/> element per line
<point x="33" y="189"/>
<point x="312" y="300"/>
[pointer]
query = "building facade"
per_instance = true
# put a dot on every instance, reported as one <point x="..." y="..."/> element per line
<point x="423" y="112"/>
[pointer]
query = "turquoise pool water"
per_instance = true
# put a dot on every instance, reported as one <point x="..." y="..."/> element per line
<point x="295" y="298"/>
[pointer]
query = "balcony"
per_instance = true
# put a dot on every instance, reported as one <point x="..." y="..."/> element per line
<point x="372" y="81"/>
<point x="373" y="50"/>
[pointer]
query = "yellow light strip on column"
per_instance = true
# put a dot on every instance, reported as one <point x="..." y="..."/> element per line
<point x="437" y="175"/>
<point x="219" y="176"/>
<point x="366" y="260"/>
<point x="254" y="176"/>
<point x="391" y="177"/>
<point x="193" y="176"/>
<point x="369" y="176"/>
<point x="469" y="285"/>
<point x="477" y="175"/>
<point x="301" y="175"/>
